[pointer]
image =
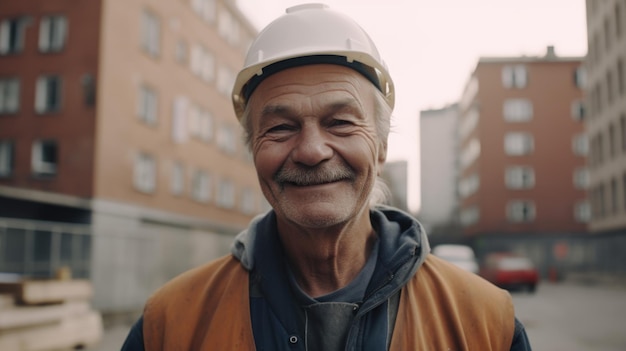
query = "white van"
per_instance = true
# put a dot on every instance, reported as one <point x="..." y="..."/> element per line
<point x="461" y="255"/>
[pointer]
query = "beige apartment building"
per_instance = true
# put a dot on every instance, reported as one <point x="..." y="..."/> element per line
<point x="120" y="155"/>
<point x="606" y="104"/>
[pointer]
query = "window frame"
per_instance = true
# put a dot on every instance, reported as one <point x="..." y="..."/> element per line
<point x="40" y="166"/>
<point x="517" y="110"/>
<point x="525" y="143"/>
<point x="53" y="32"/>
<point x="145" y="173"/>
<point x="7" y="157"/>
<point x="527" y="208"/>
<point x="9" y="95"/>
<point x="514" y="76"/>
<point x="519" y="177"/>
<point x="12" y="35"/>
<point x="151" y="33"/>
<point x="148" y="105"/>
<point x="48" y="93"/>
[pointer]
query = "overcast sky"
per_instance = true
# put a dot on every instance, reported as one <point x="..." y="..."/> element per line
<point x="432" y="46"/>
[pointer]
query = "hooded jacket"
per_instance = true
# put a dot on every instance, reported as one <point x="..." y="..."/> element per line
<point x="414" y="301"/>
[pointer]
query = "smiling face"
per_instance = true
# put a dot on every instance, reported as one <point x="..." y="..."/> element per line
<point x="315" y="145"/>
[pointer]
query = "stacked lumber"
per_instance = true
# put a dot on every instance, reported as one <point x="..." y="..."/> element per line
<point x="43" y="315"/>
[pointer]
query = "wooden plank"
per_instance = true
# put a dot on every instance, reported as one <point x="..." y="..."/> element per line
<point x="21" y="316"/>
<point x="48" y="291"/>
<point x="83" y="330"/>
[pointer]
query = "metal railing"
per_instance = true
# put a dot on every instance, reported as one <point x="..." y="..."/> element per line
<point x="37" y="249"/>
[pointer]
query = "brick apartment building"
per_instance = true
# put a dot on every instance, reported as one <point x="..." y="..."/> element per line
<point x="522" y="158"/>
<point x="120" y="155"/>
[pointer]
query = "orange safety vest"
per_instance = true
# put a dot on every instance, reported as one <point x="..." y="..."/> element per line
<point x="440" y="308"/>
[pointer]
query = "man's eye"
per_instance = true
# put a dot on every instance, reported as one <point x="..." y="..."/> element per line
<point x="280" y="128"/>
<point x="340" y="122"/>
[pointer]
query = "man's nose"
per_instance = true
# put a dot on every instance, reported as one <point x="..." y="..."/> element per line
<point x="312" y="147"/>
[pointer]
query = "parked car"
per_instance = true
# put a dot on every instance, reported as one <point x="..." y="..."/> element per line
<point x="461" y="255"/>
<point x="510" y="271"/>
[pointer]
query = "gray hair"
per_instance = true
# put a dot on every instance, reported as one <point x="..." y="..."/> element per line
<point x="380" y="193"/>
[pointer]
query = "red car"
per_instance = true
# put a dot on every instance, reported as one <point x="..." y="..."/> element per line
<point x="510" y="271"/>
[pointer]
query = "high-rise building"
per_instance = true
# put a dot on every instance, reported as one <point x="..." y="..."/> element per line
<point x="395" y="176"/>
<point x="438" y="169"/>
<point x="605" y="90"/>
<point x="522" y="159"/>
<point x="120" y="155"/>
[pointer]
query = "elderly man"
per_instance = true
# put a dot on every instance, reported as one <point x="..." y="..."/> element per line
<point x="326" y="269"/>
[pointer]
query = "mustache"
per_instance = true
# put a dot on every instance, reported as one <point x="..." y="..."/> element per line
<point x="314" y="175"/>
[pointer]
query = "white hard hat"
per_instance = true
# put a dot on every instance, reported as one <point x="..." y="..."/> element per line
<point x="310" y="34"/>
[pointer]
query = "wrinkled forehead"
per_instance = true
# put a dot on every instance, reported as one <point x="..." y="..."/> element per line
<point x="315" y="84"/>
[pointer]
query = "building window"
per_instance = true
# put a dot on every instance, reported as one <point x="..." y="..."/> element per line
<point x="520" y="211"/>
<point x="518" y="143"/>
<point x="44" y="157"/>
<point x="582" y="211"/>
<point x="578" y="110"/>
<point x="228" y="27"/>
<point x="12" y="35"/>
<point x="52" y="33"/>
<point x="89" y="89"/>
<point x="48" y="94"/>
<point x="581" y="178"/>
<point x="248" y="201"/>
<point x="150" y="33"/>
<point x="469" y="216"/>
<point x="514" y="76"/>
<point x="181" y="51"/>
<point x="225" y="194"/>
<point x="180" y="111"/>
<point x="607" y="33"/>
<point x="624" y="190"/>
<point x="200" y="186"/>
<point x="517" y="110"/>
<point x="178" y="179"/>
<point x="6" y="158"/>
<point x="614" y="196"/>
<point x="580" y="77"/>
<point x="598" y="205"/>
<point x="201" y="123"/>
<point x="206" y="126"/>
<point x="205" y="9"/>
<point x="519" y="177"/>
<point x="580" y="144"/>
<point x="9" y="95"/>
<point x="622" y="127"/>
<point x="202" y="63"/>
<point x="225" y="80"/>
<point x="144" y="175"/>
<point x="147" y="108"/>
<point x="469" y="123"/>
<point x="609" y="87"/>
<point x="598" y="156"/>
<point x="470" y="153"/>
<point x="469" y="185"/>
<point x="618" y="20"/>
<point x="226" y="139"/>
<point x="621" y="83"/>
<point x="612" y="141"/>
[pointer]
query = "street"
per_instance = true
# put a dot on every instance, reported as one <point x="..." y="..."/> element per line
<point x="558" y="317"/>
<point x="574" y="317"/>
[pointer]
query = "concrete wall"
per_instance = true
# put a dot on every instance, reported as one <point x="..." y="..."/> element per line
<point x="135" y="251"/>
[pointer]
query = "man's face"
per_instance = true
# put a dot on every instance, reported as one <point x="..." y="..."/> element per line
<point x="315" y="146"/>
